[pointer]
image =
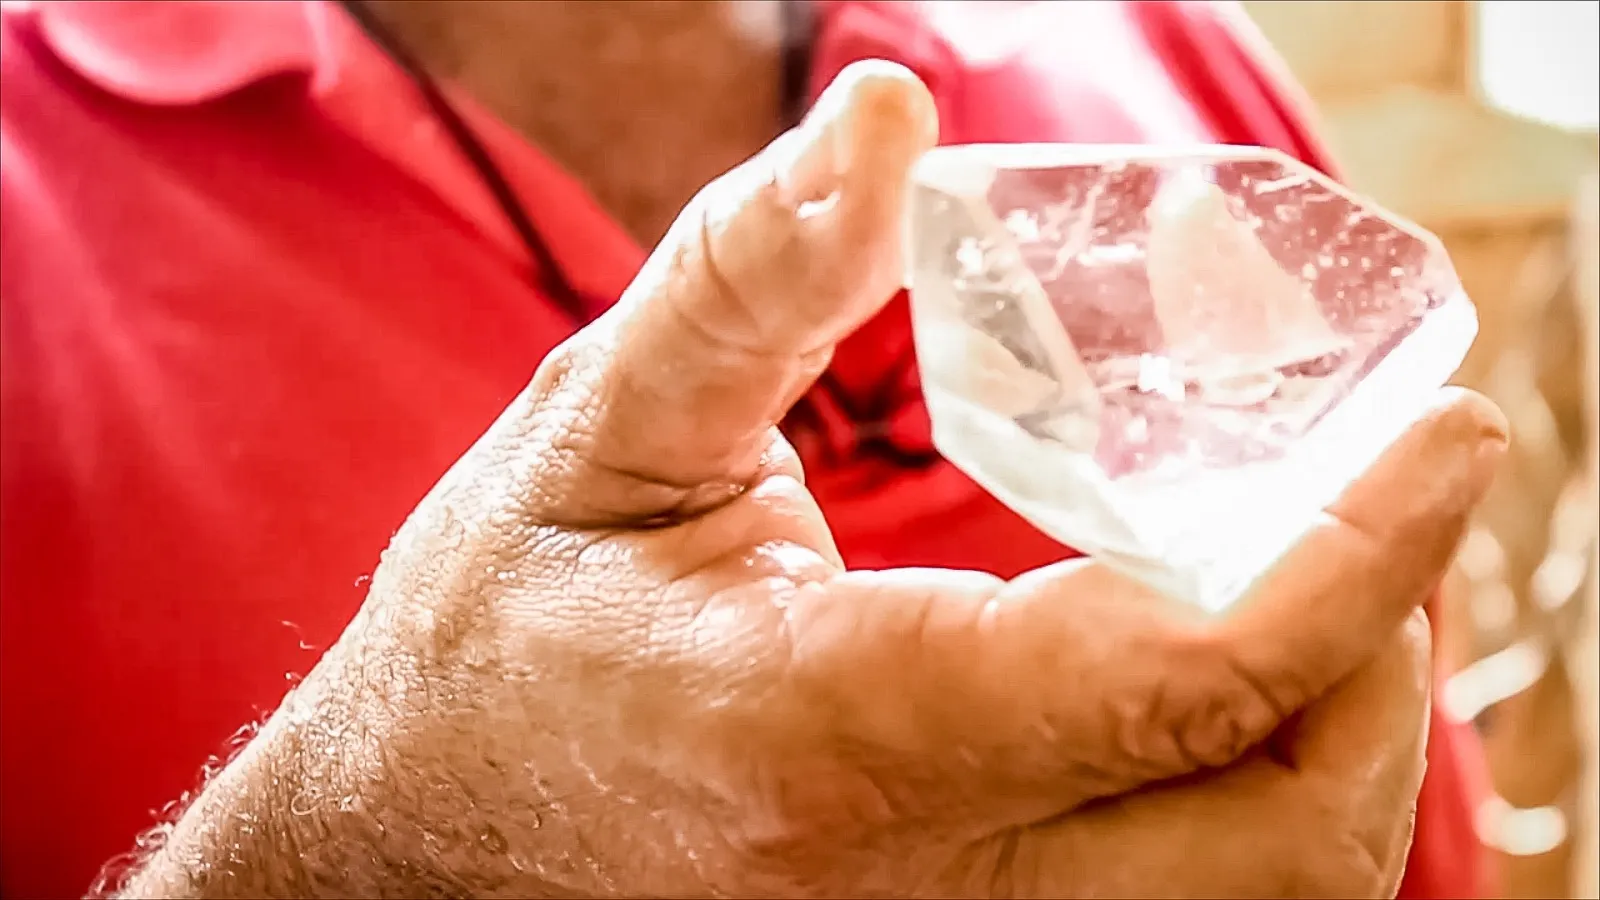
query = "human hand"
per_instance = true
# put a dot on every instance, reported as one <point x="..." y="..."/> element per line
<point x="615" y="652"/>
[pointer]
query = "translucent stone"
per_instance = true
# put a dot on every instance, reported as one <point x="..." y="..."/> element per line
<point x="1171" y="361"/>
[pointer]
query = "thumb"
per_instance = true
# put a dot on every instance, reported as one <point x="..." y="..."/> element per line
<point x="1382" y="548"/>
<point x="1077" y="683"/>
<point x="666" y="405"/>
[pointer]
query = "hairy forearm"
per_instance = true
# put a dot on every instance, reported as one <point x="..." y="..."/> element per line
<point x="342" y="794"/>
<point x="285" y="818"/>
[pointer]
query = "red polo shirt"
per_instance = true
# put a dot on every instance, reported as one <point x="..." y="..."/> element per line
<point x="254" y="302"/>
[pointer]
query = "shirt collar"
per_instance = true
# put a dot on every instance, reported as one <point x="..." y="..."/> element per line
<point x="190" y="52"/>
<point x="178" y="53"/>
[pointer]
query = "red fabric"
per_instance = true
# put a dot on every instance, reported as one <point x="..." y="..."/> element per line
<point x="252" y="303"/>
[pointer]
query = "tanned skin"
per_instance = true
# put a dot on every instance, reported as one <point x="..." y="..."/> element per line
<point x="645" y="101"/>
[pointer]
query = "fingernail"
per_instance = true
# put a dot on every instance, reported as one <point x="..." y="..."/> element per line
<point x="1480" y="436"/>
<point x="1490" y="452"/>
<point x="867" y="95"/>
<point x="863" y="112"/>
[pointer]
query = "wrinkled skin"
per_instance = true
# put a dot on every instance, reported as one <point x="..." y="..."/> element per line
<point x="615" y="652"/>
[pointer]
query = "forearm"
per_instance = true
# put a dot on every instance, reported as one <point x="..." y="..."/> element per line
<point x="344" y="794"/>
<point x="285" y="818"/>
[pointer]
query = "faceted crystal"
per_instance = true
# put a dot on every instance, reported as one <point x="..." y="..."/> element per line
<point x="1171" y="361"/>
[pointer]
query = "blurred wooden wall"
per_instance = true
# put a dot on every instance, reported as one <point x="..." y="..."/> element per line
<point x="1586" y="652"/>
<point x="1395" y="86"/>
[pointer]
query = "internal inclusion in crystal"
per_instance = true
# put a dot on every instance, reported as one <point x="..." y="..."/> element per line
<point x="1170" y="360"/>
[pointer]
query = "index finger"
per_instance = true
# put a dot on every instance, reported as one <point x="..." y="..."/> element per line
<point x="1329" y="819"/>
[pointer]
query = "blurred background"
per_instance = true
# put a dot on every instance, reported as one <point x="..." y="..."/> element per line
<point x="1478" y="121"/>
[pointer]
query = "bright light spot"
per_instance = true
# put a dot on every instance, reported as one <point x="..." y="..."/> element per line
<point x="1540" y="59"/>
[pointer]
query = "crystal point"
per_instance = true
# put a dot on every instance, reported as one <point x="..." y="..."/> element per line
<point x="1171" y="361"/>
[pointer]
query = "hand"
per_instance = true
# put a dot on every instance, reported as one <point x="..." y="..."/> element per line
<point x="615" y="653"/>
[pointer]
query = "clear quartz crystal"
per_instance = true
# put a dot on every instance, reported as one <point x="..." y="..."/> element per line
<point x="1171" y="360"/>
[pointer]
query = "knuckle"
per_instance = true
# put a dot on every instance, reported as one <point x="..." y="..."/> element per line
<point x="1252" y="708"/>
<point x="1250" y="703"/>
<point x="730" y="278"/>
<point x="717" y="293"/>
<point x="1198" y="708"/>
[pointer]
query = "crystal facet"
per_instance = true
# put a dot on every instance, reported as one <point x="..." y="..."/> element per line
<point x="1171" y="360"/>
